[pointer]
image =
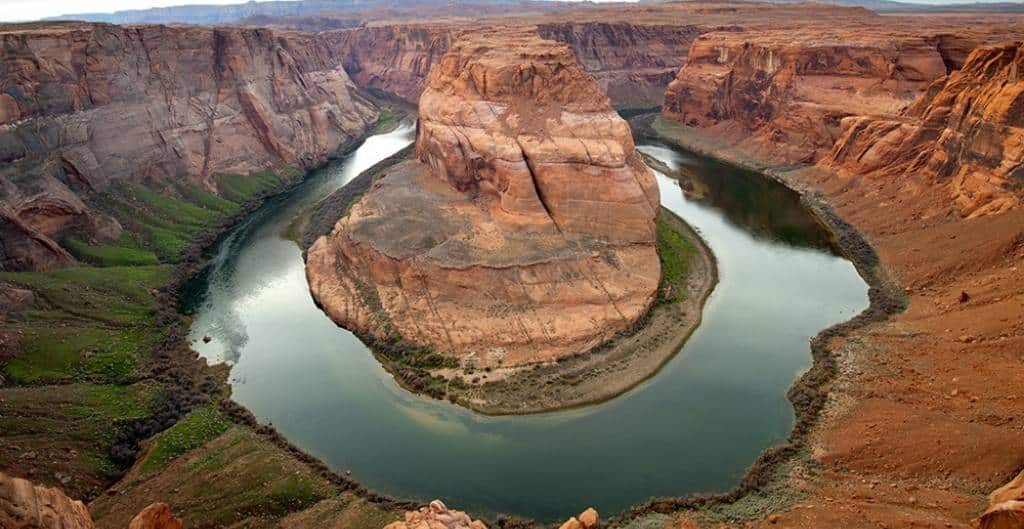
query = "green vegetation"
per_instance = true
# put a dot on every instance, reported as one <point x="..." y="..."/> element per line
<point x="195" y="430"/>
<point x="68" y="430"/>
<point x="675" y="252"/>
<point x="85" y="324"/>
<point x="163" y="223"/>
<point x="423" y="359"/>
<point x="388" y="119"/>
<point x="233" y="478"/>
<point x="242" y="188"/>
<point x="125" y="253"/>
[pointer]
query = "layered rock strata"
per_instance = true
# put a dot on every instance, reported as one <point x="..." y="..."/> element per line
<point x="782" y="96"/>
<point x="394" y="58"/>
<point x="632" y="63"/>
<point x="86" y="106"/>
<point x="964" y="135"/>
<point x="525" y="229"/>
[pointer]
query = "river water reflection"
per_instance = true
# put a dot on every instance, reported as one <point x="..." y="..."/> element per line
<point x="696" y="426"/>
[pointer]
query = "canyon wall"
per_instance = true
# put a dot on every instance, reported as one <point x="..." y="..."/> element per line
<point x="395" y="59"/>
<point x="84" y="107"/>
<point x="525" y="230"/>
<point x="632" y="63"/>
<point x="782" y="95"/>
<point x="965" y="135"/>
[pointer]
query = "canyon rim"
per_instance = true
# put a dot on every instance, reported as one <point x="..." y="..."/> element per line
<point x="514" y="252"/>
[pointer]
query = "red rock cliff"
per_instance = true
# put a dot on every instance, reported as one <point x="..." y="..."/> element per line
<point x="525" y="232"/>
<point x="84" y="106"/>
<point x="965" y="136"/>
<point x="395" y="58"/>
<point x="782" y="95"/>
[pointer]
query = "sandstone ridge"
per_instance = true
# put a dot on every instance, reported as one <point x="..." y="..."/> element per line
<point x="525" y="230"/>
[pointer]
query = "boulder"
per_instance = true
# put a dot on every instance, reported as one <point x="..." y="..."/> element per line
<point x="436" y="515"/>
<point x="155" y="516"/>
<point x="27" y="506"/>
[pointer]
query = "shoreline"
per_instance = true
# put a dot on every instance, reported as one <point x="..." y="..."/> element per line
<point x="808" y="394"/>
<point x="634" y="356"/>
<point x="194" y="260"/>
<point x="597" y="375"/>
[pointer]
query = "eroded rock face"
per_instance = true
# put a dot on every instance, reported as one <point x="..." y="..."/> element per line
<point x="783" y="94"/>
<point x="86" y="106"/>
<point x="436" y="516"/>
<point x="525" y="231"/>
<point x="27" y="506"/>
<point x="632" y="63"/>
<point x="22" y="247"/>
<point x="966" y="133"/>
<point x="392" y="58"/>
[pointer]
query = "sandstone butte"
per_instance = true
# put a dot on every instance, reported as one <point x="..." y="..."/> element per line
<point x="523" y="231"/>
<point x="27" y="506"/>
<point x="88" y="107"/>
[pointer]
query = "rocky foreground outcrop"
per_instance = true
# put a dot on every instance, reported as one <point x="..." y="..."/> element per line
<point x="27" y="506"/>
<point x="525" y="229"/>
<point x="87" y="106"/>
<point x="436" y="515"/>
<point x="964" y="135"/>
<point x="1006" y="506"/>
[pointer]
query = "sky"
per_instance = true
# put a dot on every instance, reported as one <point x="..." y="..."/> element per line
<point x="12" y="10"/>
<point x="35" y="9"/>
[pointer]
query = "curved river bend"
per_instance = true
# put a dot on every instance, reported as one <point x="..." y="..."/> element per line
<point x="694" y="427"/>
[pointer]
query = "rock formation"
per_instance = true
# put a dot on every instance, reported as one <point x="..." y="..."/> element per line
<point x="782" y="95"/>
<point x="23" y="247"/>
<point x="525" y="231"/>
<point x="87" y="106"/>
<point x="27" y="506"/>
<point x="965" y="135"/>
<point x="395" y="58"/>
<point x="632" y="63"/>
<point x="156" y="516"/>
<point x="436" y="516"/>
<point x="1005" y="506"/>
<point x="587" y="519"/>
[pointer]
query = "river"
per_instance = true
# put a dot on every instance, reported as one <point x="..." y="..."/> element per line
<point x="694" y="427"/>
